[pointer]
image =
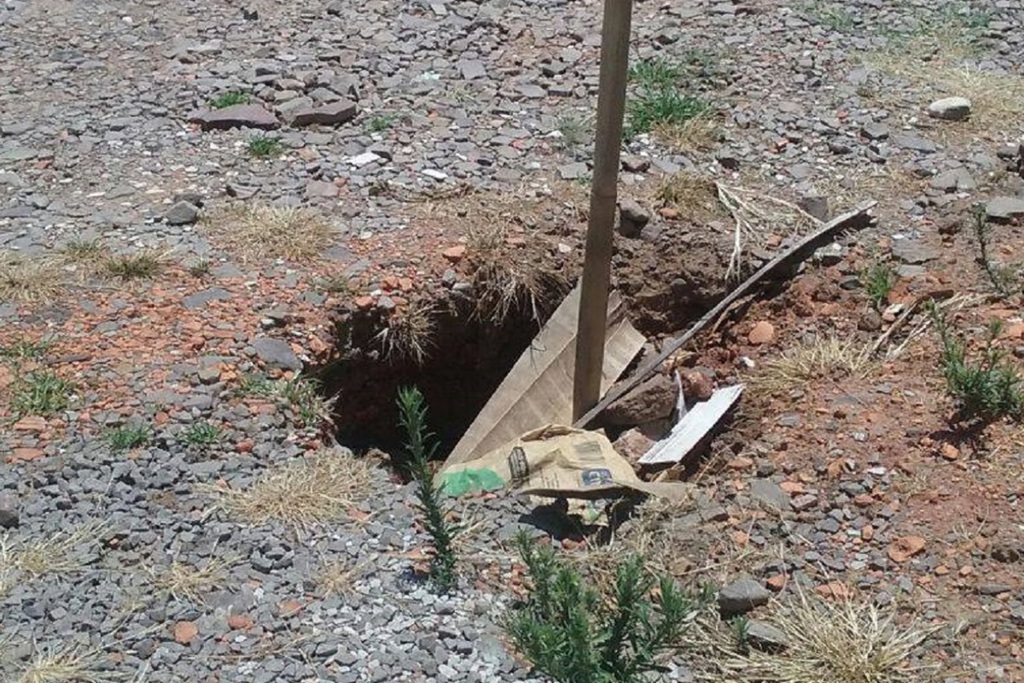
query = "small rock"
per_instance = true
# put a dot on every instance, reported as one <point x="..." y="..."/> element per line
<point x="455" y="254"/>
<point x="9" y="519"/>
<point x="913" y="252"/>
<point x="742" y="596"/>
<point x="870" y="321"/>
<point x="333" y="114"/>
<point x="902" y="549"/>
<point x="1004" y="208"/>
<point x="762" y="333"/>
<point x="239" y="622"/>
<point x="950" y="109"/>
<point x="765" y="637"/>
<point x="953" y="180"/>
<point x="632" y="217"/>
<point x="276" y="353"/>
<point x="875" y="131"/>
<point x="697" y="385"/>
<point x="632" y="444"/>
<point x="653" y="399"/>
<point x="769" y="493"/>
<point x="185" y="632"/>
<point x="236" y="116"/>
<point x="815" y="204"/>
<point x="182" y="213"/>
<point x="994" y="588"/>
<point x="915" y="142"/>
<point x="635" y="164"/>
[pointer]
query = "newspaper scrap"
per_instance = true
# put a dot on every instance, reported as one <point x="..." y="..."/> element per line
<point x="555" y="462"/>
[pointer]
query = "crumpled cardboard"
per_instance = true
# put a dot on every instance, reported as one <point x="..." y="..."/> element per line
<point x="554" y="462"/>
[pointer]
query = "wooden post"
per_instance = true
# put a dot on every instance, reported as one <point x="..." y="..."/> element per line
<point x="611" y="106"/>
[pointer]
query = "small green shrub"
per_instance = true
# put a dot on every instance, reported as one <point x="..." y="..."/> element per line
<point x="878" y="279"/>
<point x="202" y="434"/>
<point x="41" y="392"/>
<point x="379" y="123"/>
<point x="656" y="99"/>
<point x="229" y="99"/>
<point x="987" y="390"/>
<point x="301" y="393"/>
<point x="127" y="437"/>
<point x="571" y="632"/>
<point x="420" y="446"/>
<point x="263" y="146"/>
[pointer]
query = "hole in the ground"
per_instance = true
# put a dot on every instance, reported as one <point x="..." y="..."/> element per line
<point x="468" y="356"/>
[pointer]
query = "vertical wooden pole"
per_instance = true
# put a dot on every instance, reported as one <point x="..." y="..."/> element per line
<point x="611" y="106"/>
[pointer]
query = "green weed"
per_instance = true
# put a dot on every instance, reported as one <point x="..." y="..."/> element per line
<point x="657" y="100"/>
<point x="203" y="434"/>
<point x="127" y="437"/>
<point x="985" y="390"/>
<point x="263" y="146"/>
<point x="421" y="447"/>
<point x="229" y="99"/>
<point x="41" y="392"/>
<point x="878" y="279"/>
<point x="572" y="633"/>
<point x="379" y="123"/>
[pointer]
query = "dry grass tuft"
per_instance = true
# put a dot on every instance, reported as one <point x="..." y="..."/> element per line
<point x="336" y="577"/>
<point x="821" y="358"/>
<point x="506" y="284"/>
<point x="62" y="553"/>
<point x="261" y="231"/>
<point x="692" y="194"/>
<point x="649" y="532"/>
<point x="187" y="583"/>
<point x="838" y="641"/>
<point x="138" y="265"/>
<point x="304" y="492"/>
<point x="698" y="134"/>
<point x="409" y="333"/>
<point x="31" y="279"/>
<point x="996" y="98"/>
<point x="511" y="269"/>
<point x="68" y="664"/>
<point x="868" y="182"/>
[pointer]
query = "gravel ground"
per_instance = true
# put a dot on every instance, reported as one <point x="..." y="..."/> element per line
<point x="106" y="133"/>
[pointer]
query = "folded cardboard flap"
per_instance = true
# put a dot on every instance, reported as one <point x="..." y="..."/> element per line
<point x="555" y="462"/>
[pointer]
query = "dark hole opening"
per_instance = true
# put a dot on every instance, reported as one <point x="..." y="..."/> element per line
<point x="467" y="359"/>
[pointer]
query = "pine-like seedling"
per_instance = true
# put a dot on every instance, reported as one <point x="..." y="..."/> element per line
<point x="421" y="447"/>
<point x="572" y="633"/>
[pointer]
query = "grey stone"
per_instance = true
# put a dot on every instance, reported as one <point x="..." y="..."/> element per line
<point x="913" y="252"/>
<point x="651" y="400"/>
<point x="277" y="353"/>
<point x="953" y="180"/>
<point x="765" y="637"/>
<point x="632" y="217"/>
<point x="1004" y="208"/>
<point x="914" y="142"/>
<point x="332" y="114"/>
<point x="815" y="204"/>
<point x="769" y="493"/>
<point x="182" y="213"/>
<point x="236" y="116"/>
<point x="200" y="299"/>
<point x="9" y="519"/>
<point x="472" y="69"/>
<point x="573" y="171"/>
<point x="741" y="596"/>
<point x="950" y="109"/>
<point x="875" y="131"/>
